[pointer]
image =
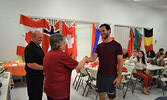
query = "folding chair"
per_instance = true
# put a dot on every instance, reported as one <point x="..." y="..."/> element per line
<point x="77" y="75"/>
<point x="137" y="80"/>
<point x="82" y="77"/>
<point x="92" y="73"/>
<point x="128" y="80"/>
<point x="156" y="77"/>
<point x="163" y="79"/>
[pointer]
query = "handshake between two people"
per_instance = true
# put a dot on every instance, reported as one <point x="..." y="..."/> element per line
<point x="82" y="62"/>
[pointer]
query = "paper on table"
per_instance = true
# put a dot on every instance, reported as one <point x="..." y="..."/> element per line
<point x="12" y="64"/>
<point x="21" y="63"/>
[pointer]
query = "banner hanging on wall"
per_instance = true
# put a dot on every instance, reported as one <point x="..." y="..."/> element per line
<point x="47" y="33"/>
<point x="148" y="39"/>
<point x="95" y="38"/>
<point x="138" y="39"/>
<point x="69" y="34"/>
<point x="27" y="27"/>
<point x="131" y="42"/>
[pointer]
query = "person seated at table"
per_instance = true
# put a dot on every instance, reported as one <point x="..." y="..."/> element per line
<point x="165" y="65"/>
<point x="151" y="57"/>
<point x="125" y="55"/>
<point x="165" y="59"/>
<point x="141" y="67"/>
<point x="160" y="61"/>
<point x="134" y="54"/>
<point x="161" y="52"/>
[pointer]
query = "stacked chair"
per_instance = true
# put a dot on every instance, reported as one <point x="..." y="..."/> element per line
<point x="82" y="77"/>
<point x="127" y="82"/>
<point x="91" y="83"/>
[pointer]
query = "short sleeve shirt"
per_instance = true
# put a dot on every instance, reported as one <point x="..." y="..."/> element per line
<point x="126" y="55"/>
<point x="107" y="53"/>
<point x="58" y="66"/>
<point x="33" y="54"/>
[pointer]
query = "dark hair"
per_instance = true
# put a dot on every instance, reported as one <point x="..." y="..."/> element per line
<point x="152" y="53"/>
<point x="161" y="49"/>
<point x="143" y="58"/>
<point x="106" y="26"/>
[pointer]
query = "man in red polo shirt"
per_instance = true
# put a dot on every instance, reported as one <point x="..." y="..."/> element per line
<point x="57" y="67"/>
<point x="110" y="56"/>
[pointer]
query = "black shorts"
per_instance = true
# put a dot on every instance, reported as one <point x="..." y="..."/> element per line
<point x="105" y="84"/>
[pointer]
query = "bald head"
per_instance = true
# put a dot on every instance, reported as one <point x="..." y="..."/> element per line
<point x="36" y="37"/>
<point x="124" y="51"/>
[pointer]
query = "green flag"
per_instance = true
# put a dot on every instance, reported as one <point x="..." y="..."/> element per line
<point x="138" y="39"/>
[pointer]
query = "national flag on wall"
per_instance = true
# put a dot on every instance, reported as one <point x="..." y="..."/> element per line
<point x="27" y="27"/>
<point x="69" y="34"/>
<point x="142" y="42"/>
<point x="148" y="39"/>
<point x="138" y="39"/>
<point x="95" y="38"/>
<point x="131" y="42"/>
<point x="47" y="33"/>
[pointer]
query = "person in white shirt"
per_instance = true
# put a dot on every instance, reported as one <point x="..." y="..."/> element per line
<point x="141" y="67"/>
<point x="165" y="59"/>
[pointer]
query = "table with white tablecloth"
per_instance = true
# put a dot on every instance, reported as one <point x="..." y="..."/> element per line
<point x="5" y="89"/>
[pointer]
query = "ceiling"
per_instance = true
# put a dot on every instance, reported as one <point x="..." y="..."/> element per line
<point x="160" y="4"/>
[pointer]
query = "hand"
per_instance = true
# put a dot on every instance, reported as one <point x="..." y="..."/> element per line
<point x="134" y="55"/>
<point x="161" y="57"/>
<point x="87" y="59"/>
<point x="117" y="81"/>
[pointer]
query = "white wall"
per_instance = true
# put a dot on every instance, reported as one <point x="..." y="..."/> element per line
<point x="110" y="11"/>
<point x="83" y="37"/>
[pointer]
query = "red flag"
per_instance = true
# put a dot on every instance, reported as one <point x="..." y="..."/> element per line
<point x="93" y="37"/>
<point x="69" y="34"/>
<point x="47" y="33"/>
<point x="131" y="42"/>
<point x="28" y="25"/>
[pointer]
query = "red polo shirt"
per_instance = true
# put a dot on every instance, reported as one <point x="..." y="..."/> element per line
<point x="57" y="67"/>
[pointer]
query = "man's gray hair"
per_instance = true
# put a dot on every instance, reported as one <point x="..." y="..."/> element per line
<point x="55" y="40"/>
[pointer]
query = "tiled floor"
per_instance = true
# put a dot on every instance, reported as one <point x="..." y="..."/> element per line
<point x="20" y="93"/>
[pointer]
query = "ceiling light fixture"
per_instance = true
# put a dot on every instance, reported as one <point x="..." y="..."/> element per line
<point x="136" y="0"/>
